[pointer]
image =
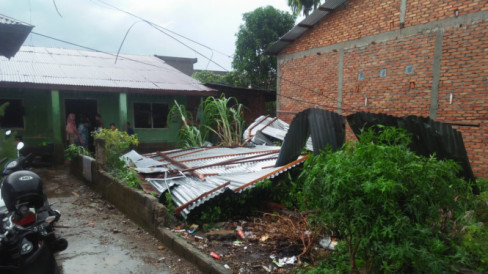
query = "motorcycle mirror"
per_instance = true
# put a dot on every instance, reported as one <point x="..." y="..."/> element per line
<point x="20" y="145"/>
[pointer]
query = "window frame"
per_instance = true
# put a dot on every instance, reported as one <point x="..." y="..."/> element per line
<point x="151" y="113"/>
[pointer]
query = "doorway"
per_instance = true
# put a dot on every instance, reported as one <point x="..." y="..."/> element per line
<point x="84" y="109"/>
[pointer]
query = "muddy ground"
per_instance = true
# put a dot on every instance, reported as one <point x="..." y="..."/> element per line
<point x="101" y="239"/>
<point x="279" y="242"/>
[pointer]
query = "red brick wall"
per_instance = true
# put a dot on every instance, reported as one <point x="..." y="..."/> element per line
<point x="464" y="73"/>
<point x="421" y="11"/>
<point x="384" y="93"/>
<point x="318" y="86"/>
<point x="312" y="80"/>
<point x="351" y="23"/>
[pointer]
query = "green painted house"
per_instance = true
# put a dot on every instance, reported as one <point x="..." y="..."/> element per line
<point x="43" y="85"/>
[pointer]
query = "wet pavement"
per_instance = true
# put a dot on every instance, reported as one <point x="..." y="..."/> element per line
<point x="101" y="239"/>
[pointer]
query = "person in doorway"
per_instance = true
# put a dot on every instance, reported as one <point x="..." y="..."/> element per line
<point x="112" y="127"/>
<point x="71" y="131"/>
<point x="130" y="131"/>
<point x="84" y="133"/>
<point x="98" y="122"/>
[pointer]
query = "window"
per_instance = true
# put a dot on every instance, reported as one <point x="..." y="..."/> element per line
<point x="361" y="75"/>
<point x="14" y="114"/>
<point x="382" y="72"/>
<point x="150" y="115"/>
<point x="408" y="69"/>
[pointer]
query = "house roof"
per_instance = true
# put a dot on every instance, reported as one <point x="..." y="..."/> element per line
<point x="233" y="91"/>
<point x="88" y="70"/>
<point x="309" y="22"/>
<point x="13" y="34"/>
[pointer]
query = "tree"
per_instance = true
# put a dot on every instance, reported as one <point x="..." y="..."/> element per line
<point x="303" y="5"/>
<point x="231" y="78"/>
<point x="261" y="28"/>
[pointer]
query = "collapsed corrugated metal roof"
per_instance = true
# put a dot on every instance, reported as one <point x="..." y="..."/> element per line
<point x="430" y="137"/>
<point x="13" y="34"/>
<point x="194" y="176"/>
<point x="80" y="68"/>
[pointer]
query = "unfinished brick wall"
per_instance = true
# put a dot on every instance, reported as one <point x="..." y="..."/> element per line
<point x="444" y="44"/>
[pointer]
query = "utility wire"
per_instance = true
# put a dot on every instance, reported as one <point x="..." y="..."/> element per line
<point x="165" y="31"/>
<point x="100" y="51"/>
<point x="280" y="77"/>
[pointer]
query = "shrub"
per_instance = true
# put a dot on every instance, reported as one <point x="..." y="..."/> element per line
<point x="394" y="210"/>
<point x="222" y="117"/>
<point x="116" y="144"/>
<point x="73" y="150"/>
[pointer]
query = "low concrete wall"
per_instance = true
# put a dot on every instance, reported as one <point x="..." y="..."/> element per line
<point x="143" y="209"/>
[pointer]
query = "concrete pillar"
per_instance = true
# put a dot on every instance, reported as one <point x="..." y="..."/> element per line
<point x="122" y="111"/>
<point x="436" y="72"/>
<point x="340" y="81"/>
<point x="403" y="11"/>
<point x="56" y="117"/>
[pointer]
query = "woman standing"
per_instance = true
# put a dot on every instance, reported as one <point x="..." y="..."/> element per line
<point x="71" y="131"/>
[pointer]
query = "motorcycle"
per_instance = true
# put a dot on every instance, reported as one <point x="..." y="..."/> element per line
<point x="27" y="238"/>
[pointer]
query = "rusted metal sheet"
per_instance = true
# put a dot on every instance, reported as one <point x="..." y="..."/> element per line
<point x="327" y="128"/>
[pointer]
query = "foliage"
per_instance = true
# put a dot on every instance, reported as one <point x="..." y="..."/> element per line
<point x="189" y="135"/>
<point x="395" y="211"/>
<point x="261" y="28"/>
<point x="127" y="175"/>
<point x="305" y="6"/>
<point x="116" y="144"/>
<point x="72" y="151"/>
<point x="3" y="107"/>
<point x="222" y="117"/>
<point x="170" y="206"/>
<point x="231" y="78"/>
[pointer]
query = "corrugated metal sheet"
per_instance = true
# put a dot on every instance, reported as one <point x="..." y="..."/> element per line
<point x="429" y="137"/>
<point x="68" y="67"/>
<point x="327" y="128"/>
<point x="224" y="169"/>
<point x="12" y="35"/>
<point x="310" y="21"/>
<point x="271" y="128"/>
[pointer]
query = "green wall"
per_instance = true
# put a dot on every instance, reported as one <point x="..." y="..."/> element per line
<point x="38" y="117"/>
<point x="165" y="135"/>
<point x="44" y="122"/>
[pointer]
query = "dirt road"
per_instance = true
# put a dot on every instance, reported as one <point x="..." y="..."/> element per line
<point x="101" y="239"/>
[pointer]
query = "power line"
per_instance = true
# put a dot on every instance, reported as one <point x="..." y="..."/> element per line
<point x="96" y="50"/>
<point x="165" y="31"/>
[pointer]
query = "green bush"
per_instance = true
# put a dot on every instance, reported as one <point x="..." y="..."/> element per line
<point x="116" y="144"/>
<point x="395" y="211"/>
<point x="73" y="150"/>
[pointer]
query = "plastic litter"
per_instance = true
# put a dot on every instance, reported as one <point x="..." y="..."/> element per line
<point x="215" y="255"/>
<point x="328" y="243"/>
<point x="240" y="232"/>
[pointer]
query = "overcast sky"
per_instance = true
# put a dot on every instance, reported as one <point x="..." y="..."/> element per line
<point x="91" y="23"/>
